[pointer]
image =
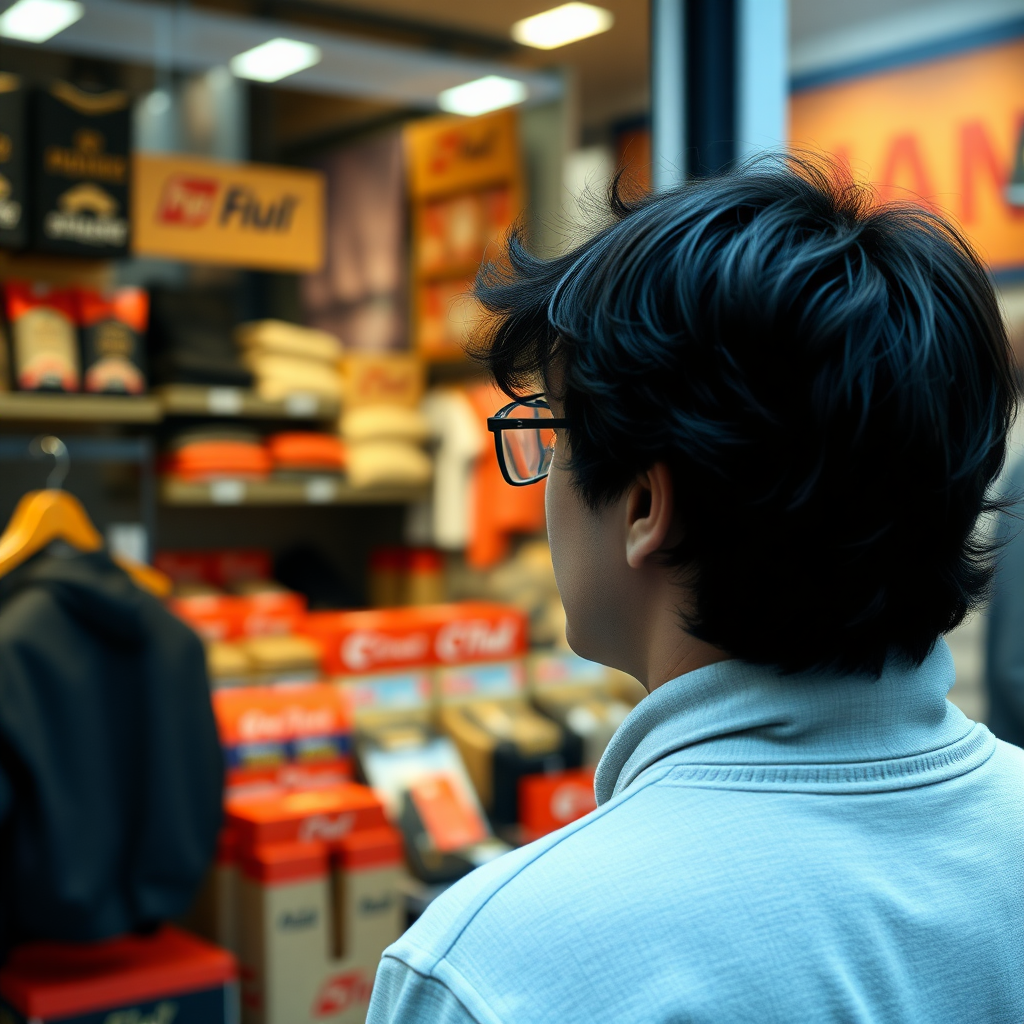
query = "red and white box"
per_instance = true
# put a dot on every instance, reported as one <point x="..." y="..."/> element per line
<point x="362" y="643"/>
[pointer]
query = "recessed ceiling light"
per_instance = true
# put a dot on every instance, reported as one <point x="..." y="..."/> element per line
<point x="482" y="95"/>
<point x="35" y="21"/>
<point x="275" y="59"/>
<point x="562" y="25"/>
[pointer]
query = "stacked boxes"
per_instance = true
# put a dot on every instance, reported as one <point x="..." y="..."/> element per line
<point x="317" y="879"/>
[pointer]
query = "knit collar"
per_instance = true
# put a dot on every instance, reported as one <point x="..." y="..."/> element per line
<point x="735" y="713"/>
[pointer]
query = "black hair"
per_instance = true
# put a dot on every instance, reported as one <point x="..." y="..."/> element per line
<point x="828" y="378"/>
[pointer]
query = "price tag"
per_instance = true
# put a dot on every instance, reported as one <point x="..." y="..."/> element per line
<point x="224" y="401"/>
<point x="301" y="405"/>
<point x="227" y="492"/>
<point x="321" y="490"/>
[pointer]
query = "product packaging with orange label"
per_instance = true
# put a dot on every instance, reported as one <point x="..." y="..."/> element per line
<point x="290" y="734"/>
<point x="113" y="340"/>
<point x="163" y="977"/>
<point x="318" y="895"/>
<point x="357" y="643"/>
<point x="44" y="336"/>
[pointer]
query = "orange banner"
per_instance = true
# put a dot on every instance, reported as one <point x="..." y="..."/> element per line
<point x="243" y="215"/>
<point x="943" y="133"/>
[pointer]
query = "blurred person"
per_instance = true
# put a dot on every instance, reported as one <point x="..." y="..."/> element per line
<point x="777" y="408"/>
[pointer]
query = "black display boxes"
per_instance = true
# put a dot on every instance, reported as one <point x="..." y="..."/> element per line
<point x="13" y="164"/>
<point x="81" y="169"/>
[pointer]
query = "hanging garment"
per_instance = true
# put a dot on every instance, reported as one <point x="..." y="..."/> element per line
<point x="110" y="767"/>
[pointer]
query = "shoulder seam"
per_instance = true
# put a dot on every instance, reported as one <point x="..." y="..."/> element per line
<point x="437" y="981"/>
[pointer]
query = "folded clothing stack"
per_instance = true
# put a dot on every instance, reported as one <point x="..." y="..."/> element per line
<point x="385" y="445"/>
<point x="209" y="453"/>
<point x="287" y="359"/>
<point x="305" y="451"/>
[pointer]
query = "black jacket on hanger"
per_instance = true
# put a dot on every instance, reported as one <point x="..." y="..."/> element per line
<point x="110" y="768"/>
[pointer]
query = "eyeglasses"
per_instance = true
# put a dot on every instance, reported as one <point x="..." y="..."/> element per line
<point x="524" y="438"/>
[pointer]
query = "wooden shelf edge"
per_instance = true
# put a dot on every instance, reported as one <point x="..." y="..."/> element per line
<point x="316" y="491"/>
<point x="231" y="402"/>
<point x="41" y="406"/>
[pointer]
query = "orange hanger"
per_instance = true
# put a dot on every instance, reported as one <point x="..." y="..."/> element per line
<point x="43" y="517"/>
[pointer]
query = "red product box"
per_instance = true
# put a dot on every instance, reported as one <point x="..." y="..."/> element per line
<point x="327" y="815"/>
<point x="232" y="566"/>
<point x="269" y="732"/>
<point x="547" y="802"/>
<point x="357" y="643"/>
<point x="185" y="566"/>
<point x="165" y="976"/>
<point x="212" y="616"/>
<point x="475" y="631"/>
<point x="272" y="613"/>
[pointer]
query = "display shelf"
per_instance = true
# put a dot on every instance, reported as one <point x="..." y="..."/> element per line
<point x="198" y="400"/>
<point x="41" y="406"/>
<point x="318" y="490"/>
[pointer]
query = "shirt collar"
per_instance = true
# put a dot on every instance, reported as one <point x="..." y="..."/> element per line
<point x="736" y="713"/>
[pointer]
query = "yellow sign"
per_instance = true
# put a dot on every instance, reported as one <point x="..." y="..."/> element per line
<point x="942" y="133"/>
<point x="452" y="154"/>
<point x="243" y="215"/>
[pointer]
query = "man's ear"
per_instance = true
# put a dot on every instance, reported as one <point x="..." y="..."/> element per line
<point x="650" y="515"/>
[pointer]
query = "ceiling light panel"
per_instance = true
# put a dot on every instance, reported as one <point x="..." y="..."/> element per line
<point x="492" y="92"/>
<point x="275" y="59"/>
<point x="562" y="25"/>
<point x="35" y="21"/>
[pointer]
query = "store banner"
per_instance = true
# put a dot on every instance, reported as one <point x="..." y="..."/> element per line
<point x="943" y="133"/>
<point x="244" y="215"/>
<point x="453" y="154"/>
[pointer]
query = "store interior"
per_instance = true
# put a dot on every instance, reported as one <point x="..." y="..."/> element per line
<point x="237" y="323"/>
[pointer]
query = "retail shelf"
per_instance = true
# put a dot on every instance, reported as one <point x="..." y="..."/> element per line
<point x="44" y="407"/>
<point x="196" y="400"/>
<point x="319" y="490"/>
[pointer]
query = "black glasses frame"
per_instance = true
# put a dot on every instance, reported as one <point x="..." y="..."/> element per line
<point x="501" y="421"/>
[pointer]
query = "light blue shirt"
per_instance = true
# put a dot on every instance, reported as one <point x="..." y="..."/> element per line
<point x="766" y="849"/>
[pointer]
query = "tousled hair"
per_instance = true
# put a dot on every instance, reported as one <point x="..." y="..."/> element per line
<point x="828" y="378"/>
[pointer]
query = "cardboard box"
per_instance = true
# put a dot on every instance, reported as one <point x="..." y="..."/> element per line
<point x="13" y="164"/>
<point x="319" y="899"/>
<point x="162" y="978"/>
<point x="80" y="170"/>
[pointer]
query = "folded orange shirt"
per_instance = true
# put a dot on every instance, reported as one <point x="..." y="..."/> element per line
<point x="201" y="460"/>
<point x="300" y="450"/>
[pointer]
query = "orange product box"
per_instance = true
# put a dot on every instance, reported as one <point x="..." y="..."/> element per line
<point x="314" y="918"/>
<point x="357" y="643"/>
<point x="472" y="631"/>
<point x="264" y="730"/>
<point x="272" y="612"/>
<point x="549" y="801"/>
<point x="212" y="616"/>
<point x="167" y="976"/>
<point x="325" y="815"/>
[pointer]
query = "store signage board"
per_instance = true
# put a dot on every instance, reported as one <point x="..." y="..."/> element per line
<point x="942" y="133"/>
<point x="452" y="154"/>
<point x="243" y="215"/>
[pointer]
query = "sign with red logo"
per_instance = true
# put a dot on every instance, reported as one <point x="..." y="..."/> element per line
<point x="357" y="643"/>
<point x="242" y="215"/>
<point x="187" y="200"/>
